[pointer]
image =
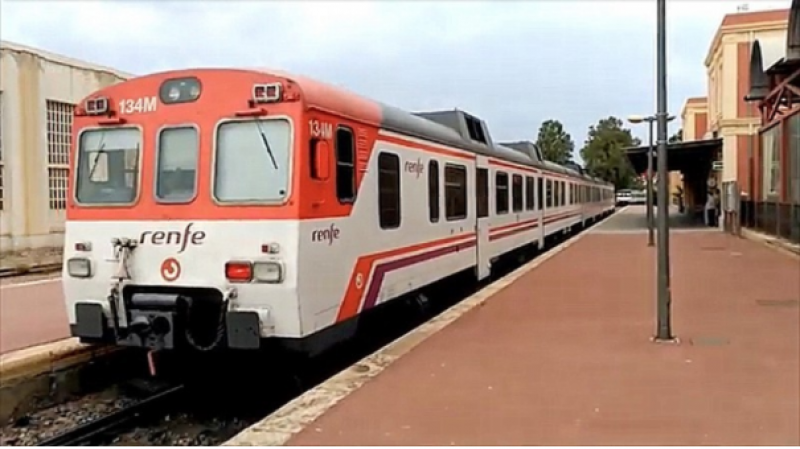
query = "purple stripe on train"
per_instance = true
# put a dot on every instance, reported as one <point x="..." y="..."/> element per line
<point x="381" y="270"/>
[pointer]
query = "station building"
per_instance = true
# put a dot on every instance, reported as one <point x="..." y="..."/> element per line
<point x="772" y="91"/>
<point x="38" y="92"/>
<point x="721" y="128"/>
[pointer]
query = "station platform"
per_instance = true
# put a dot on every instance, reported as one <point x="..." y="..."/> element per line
<point x="32" y="313"/>
<point x="563" y="355"/>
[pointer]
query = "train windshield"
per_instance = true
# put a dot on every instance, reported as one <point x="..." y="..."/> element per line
<point x="252" y="161"/>
<point x="108" y="166"/>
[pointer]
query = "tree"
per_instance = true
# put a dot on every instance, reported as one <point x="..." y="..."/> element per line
<point x="677" y="137"/>
<point x="555" y="143"/>
<point x="604" y="152"/>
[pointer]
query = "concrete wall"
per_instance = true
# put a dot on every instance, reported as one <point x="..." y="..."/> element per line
<point x="38" y="91"/>
<point x="727" y="67"/>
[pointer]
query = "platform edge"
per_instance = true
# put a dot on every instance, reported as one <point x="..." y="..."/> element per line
<point x="283" y="424"/>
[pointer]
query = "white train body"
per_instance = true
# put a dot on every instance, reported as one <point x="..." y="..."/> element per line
<point x="200" y="273"/>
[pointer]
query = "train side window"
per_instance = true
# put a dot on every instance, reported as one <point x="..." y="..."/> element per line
<point x="563" y="193"/>
<point x="482" y="191"/>
<point x="455" y="192"/>
<point x="345" y="165"/>
<point x="570" y="194"/>
<point x="433" y="191"/>
<point x="501" y="192"/>
<point x="176" y="165"/>
<point x="556" y="193"/>
<point x="549" y="193"/>
<point x="540" y="193"/>
<point x="516" y="193"/>
<point x="389" y="190"/>
<point x="529" y="195"/>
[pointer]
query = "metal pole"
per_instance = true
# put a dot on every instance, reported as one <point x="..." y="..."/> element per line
<point x="650" y="218"/>
<point x="664" y="331"/>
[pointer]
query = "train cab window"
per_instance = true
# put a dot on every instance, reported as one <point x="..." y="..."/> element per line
<point x="549" y="193"/>
<point x="516" y="193"/>
<point x="345" y="165"/>
<point x="108" y="166"/>
<point x="248" y="169"/>
<point x="540" y="193"/>
<point x="176" y="165"/>
<point x="433" y="191"/>
<point x="501" y="192"/>
<point x="455" y="192"/>
<point x="482" y="191"/>
<point x="529" y="195"/>
<point x="389" y="190"/>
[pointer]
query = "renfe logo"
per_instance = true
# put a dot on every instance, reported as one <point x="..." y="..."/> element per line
<point x="414" y="167"/>
<point x="325" y="235"/>
<point x="159" y="238"/>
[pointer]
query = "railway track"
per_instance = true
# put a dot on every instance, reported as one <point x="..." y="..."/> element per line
<point x="45" y="268"/>
<point x="95" y="431"/>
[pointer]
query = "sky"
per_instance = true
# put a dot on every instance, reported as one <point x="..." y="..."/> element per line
<point x="513" y="63"/>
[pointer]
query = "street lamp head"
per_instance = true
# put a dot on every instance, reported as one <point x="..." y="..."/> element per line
<point x="635" y="118"/>
<point x="670" y="118"/>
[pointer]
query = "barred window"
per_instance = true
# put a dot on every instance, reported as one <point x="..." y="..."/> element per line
<point x="770" y="147"/>
<point x="59" y="144"/>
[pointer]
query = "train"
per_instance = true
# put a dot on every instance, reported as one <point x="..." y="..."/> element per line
<point x="235" y="209"/>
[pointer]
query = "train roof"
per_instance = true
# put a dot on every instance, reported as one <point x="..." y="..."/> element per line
<point x="455" y="128"/>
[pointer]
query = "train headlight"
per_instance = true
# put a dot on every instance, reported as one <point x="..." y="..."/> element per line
<point x="180" y="90"/>
<point x="270" y="272"/>
<point x="79" y="267"/>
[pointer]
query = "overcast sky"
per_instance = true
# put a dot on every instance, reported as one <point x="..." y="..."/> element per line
<point x="512" y="63"/>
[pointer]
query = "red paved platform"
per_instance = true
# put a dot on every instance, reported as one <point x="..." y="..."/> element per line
<point x="563" y="357"/>
<point x="31" y="314"/>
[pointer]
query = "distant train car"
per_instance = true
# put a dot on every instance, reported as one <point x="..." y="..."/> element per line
<point x="229" y="209"/>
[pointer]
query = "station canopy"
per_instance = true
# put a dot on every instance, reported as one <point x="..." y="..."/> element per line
<point x="681" y="156"/>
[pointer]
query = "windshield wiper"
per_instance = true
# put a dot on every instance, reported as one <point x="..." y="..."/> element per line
<point x="266" y="144"/>
<point x="100" y="151"/>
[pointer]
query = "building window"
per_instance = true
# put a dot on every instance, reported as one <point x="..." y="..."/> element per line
<point x="389" y="190"/>
<point x="794" y="159"/>
<point x="482" y="191"/>
<point x="529" y="194"/>
<point x="59" y="144"/>
<point x="771" y="151"/>
<point x="433" y="191"/>
<point x="455" y="192"/>
<point x="345" y="165"/>
<point x="501" y="192"/>
<point x="516" y="193"/>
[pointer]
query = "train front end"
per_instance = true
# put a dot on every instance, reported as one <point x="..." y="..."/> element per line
<point x="182" y="222"/>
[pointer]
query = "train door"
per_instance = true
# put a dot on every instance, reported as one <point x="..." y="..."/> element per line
<point x="483" y="255"/>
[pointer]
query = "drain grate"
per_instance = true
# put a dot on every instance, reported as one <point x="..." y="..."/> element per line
<point x="713" y="248"/>
<point x="710" y="341"/>
<point x="778" y="302"/>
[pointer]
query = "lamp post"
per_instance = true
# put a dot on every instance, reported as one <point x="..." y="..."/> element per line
<point x="650" y="222"/>
<point x="664" y="327"/>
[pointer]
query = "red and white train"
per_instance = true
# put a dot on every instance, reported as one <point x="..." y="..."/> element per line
<point x="225" y="208"/>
